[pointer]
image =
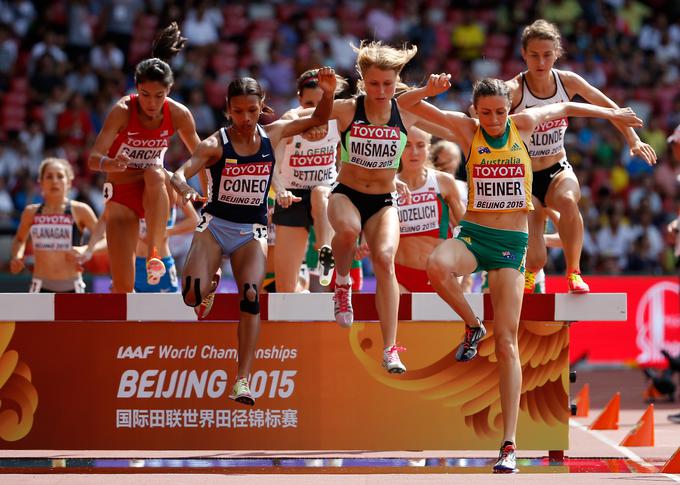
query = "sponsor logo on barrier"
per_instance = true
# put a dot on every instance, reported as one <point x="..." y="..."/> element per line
<point x="657" y="321"/>
<point x="18" y="395"/>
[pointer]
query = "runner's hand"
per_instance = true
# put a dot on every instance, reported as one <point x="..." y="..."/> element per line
<point x="16" y="265"/>
<point x="644" y="151"/>
<point x="285" y="198"/>
<point x="403" y="191"/>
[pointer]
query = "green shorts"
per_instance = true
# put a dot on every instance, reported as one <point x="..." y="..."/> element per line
<point x="494" y="248"/>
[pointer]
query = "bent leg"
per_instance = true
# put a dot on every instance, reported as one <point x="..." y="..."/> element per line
<point x="203" y="260"/>
<point x="507" y="290"/>
<point x="346" y="222"/>
<point x="322" y="226"/>
<point x="537" y="254"/>
<point x="287" y="263"/>
<point x="122" y="233"/>
<point x="449" y="260"/>
<point x="382" y="236"/>
<point x="563" y="196"/>
<point x="156" y="206"/>
<point x="248" y="263"/>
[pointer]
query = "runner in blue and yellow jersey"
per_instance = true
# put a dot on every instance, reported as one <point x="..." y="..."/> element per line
<point x="240" y="160"/>
<point x="493" y="232"/>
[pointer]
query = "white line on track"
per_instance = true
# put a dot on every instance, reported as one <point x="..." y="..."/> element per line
<point x="621" y="449"/>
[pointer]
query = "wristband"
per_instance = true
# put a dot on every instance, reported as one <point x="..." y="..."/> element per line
<point x="101" y="162"/>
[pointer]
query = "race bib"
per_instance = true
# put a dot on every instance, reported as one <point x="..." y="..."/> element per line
<point x="144" y="153"/>
<point x="244" y="184"/>
<point x="260" y="232"/>
<point x="204" y="222"/>
<point x="52" y="232"/>
<point x="311" y="170"/>
<point x="498" y="187"/>
<point x="420" y="215"/>
<point x="374" y="147"/>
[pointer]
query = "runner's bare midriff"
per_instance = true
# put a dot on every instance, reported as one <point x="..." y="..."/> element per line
<point x="367" y="181"/>
<point x="509" y="221"/>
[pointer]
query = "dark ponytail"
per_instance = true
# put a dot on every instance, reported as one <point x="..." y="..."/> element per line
<point x="247" y="86"/>
<point x="167" y="44"/>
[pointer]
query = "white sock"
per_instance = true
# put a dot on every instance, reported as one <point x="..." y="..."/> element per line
<point x="342" y="280"/>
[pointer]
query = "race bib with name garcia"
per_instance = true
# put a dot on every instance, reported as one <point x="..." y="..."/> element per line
<point x="245" y="183"/>
<point x="52" y="232"/>
<point x="374" y="147"/>
<point x="144" y="153"/>
<point x="420" y="215"/>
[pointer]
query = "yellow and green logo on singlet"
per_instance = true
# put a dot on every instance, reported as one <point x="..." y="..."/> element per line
<point x="499" y="172"/>
<point x="373" y="146"/>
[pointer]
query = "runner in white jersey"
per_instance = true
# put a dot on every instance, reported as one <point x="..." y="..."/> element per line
<point x="428" y="218"/>
<point x="555" y="185"/>
<point x="305" y="171"/>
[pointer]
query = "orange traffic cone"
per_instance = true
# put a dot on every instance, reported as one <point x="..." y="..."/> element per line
<point x="583" y="401"/>
<point x="609" y="417"/>
<point x="642" y="433"/>
<point x="673" y="463"/>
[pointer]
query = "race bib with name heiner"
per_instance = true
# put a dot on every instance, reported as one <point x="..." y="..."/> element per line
<point x="144" y="153"/>
<point x="498" y="187"/>
<point x="374" y="147"/>
<point x="244" y="184"/>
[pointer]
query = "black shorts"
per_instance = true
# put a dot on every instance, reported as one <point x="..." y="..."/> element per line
<point x="543" y="179"/>
<point x="299" y="214"/>
<point x="367" y="204"/>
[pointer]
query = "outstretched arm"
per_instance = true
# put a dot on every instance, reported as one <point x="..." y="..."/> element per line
<point x="285" y="128"/>
<point x="528" y="119"/>
<point x="577" y="85"/>
<point x="458" y="126"/>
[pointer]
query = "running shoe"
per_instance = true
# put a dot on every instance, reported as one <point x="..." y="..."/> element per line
<point x="468" y="349"/>
<point x="155" y="269"/>
<point x="241" y="392"/>
<point x="391" y="361"/>
<point x="507" y="461"/>
<point x="325" y="265"/>
<point x="344" y="315"/>
<point x="204" y="308"/>
<point x="529" y="282"/>
<point x="576" y="283"/>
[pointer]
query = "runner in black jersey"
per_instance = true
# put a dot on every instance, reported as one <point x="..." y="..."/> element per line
<point x="373" y="135"/>
<point x="240" y="160"/>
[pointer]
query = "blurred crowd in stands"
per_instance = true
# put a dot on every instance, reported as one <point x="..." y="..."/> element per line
<point x="63" y="64"/>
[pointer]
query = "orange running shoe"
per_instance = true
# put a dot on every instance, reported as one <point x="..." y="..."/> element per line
<point x="576" y="283"/>
<point x="529" y="282"/>
<point x="155" y="269"/>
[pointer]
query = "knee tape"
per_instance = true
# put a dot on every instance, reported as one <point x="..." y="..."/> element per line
<point x="197" y="290"/>
<point x="247" y="306"/>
